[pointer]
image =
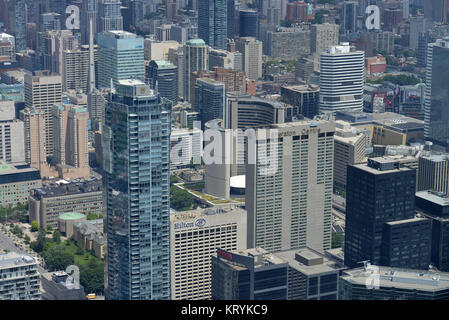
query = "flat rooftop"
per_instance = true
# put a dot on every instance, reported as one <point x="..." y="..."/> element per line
<point x="64" y="187"/>
<point x="400" y="278"/>
<point x="319" y="263"/>
<point x="198" y="213"/>
<point x="438" y="198"/>
<point x="14" y="259"/>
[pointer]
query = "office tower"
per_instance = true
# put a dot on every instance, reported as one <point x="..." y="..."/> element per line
<point x="323" y="36"/>
<point x="418" y="25"/>
<point x="13" y="14"/>
<point x="379" y="196"/>
<point x="435" y="206"/>
<point x="274" y="16"/>
<point x="342" y="77"/>
<point x="70" y="124"/>
<point x="56" y="42"/>
<point x="20" y="277"/>
<point x="59" y="7"/>
<point x="392" y="17"/>
<point x="350" y="148"/>
<point x="256" y="275"/>
<point x="75" y="70"/>
<point x="251" y="50"/>
<point x="225" y="59"/>
<point x="120" y="56"/>
<point x="195" y="237"/>
<point x="7" y="47"/>
<point x="96" y="104"/>
<point x="433" y="173"/>
<point x="47" y="203"/>
<point x="234" y="81"/>
<point x="249" y="23"/>
<point x="297" y="38"/>
<point x="137" y="163"/>
<point x="12" y="147"/>
<point x="348" y="16"/>
<point x="436" y="113"/>
<point x="89" y="12"/>
<point x="437" y="10"/>
<point x="183" y="33"/>
<point x="195" y="59"/>
<point x="47" y="22"/>
<point x="209" y="99"/>
<point x="163" y="77"/>
<point x="42" y="90"/>
<point x="158" y="50"/>
<point x="109" y="14"/>
<point x="32" y="35"/>
<point x="311" y="275"/>
<point x="289" y="191"/>
<point x="305" y="98"/>
<point x="163" y="32"/>
<point x="230" y="32"/>
<point x="212" y="22"/>
<point x="394" y="284"/>
<point x="16" y="184"/>
<point x="135" y="13"/>
<point x="176" y="56"/>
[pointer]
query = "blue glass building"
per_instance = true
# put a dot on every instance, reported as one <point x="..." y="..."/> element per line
<point x="136" y="156"/>
<point x="212" y="22"/>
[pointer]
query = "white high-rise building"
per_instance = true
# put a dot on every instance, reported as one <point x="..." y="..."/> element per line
<point x="342" y="78"/>
<point x="194" y="237"/>
<point x="289" y="189"/>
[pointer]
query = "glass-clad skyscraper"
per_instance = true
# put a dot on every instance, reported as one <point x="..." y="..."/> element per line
<point x="212" y="22"/>
<point x="136" y="156"/>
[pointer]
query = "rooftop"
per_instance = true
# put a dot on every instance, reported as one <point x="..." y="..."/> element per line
<point x="309" y="262"/>
<point x="72" y="216"/>
<point x="435" y="197"/>
<point x="14" y="259"/>
<point x="400" y="278"/>
<point x="196" y="42"/>
<point x="64" y="187"/>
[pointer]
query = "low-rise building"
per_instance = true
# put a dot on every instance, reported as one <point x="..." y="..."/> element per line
<point x="60" y="286"/>
<point x="80" y="195"/>
<point x="90" y="236"/>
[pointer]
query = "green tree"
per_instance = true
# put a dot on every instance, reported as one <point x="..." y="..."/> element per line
<point x="57" y="258"/>
<point x="27" y="239"/>
<point x="56" y="236"/>
<point x="336" y="240"/>
<point x="34" y="226"/>
<point x="40" y="242"/>
<point x="92" y="276"/>
<point x="49" y="229"/>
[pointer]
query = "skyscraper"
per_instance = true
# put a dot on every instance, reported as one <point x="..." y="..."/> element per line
<point x="120" y="56"/>
<point x="212" y="22"/>
<point x="196" y="59"/>
<point x="42" y="90"/>
<point x="164" y="75"/>
<point x="231" y="19"/>
<point x="251" y="50"/>
<point x="249" y="23"/>
<point x="289" y="189"/>
<point x="110" y="16"/>
<point x="209" y="99"/>
<point x="136" y="151"/>
<point x="380" y="222"/>
<point x="342" y="78"/>
<point x="433" y="173"/>
<point x="348" y="16"/>
<point x="89" y="11"/>
<point x="436" y="110"/>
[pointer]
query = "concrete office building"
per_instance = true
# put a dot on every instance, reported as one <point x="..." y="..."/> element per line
<point x="165" y="75"/>
<point x="176" y="56"/>
<point x="225" y="59"/>
<point x="75" y="69"/>
<point x="256" y="275"/>
<point x="71" y="153"/>
<point x="304" y="97"/>
<point x="42" y="91"/>
<point x="350" y="148"/>
<point x="375" y="237"/>
<point x="251" y="50"/>
<point x="323" y="36"/>
<point x="209" y="99"/>
<point x="212" y="22"/>
<point x="60" y="286"/>
<point x="342" y="77"/>
<point x="311" y="275"/>
<point x="158" y="50"/>
<point x="186" y="145"/>
<point x="195" y="59"/>
<point x="289" y="192"/>
<point x="12" y="145"/>
<point x="436" y="115"/>
<point x="298" y="41"/>
<point x="394" y="284"/>
<point x="16" y="183"/>
<point x="195" y="236"/>
<point x="433" y="173"/>
<point x="435" y="207"/>
<point x="136" y="153"/>
<point x="120" y="56"/>
<point x="47" y="203"/>
<point x="19" y="278"/>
